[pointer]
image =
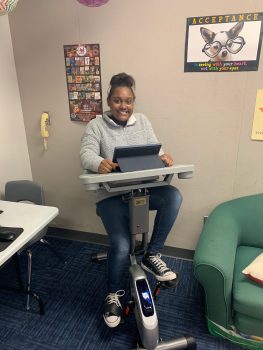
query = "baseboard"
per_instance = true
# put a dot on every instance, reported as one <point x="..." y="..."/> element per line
<point x="103" y="239"/>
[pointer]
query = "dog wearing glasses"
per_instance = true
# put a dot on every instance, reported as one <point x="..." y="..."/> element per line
<point x="222" y="45"/>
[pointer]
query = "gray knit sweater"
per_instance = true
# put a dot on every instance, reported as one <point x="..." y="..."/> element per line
<point x="102" y="135"/>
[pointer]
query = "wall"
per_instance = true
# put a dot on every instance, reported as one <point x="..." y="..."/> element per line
<point x="200" y="118"/>
<point x="14" y="157"/>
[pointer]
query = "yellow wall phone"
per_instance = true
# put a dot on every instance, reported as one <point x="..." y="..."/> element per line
<point x="45" y="121"/>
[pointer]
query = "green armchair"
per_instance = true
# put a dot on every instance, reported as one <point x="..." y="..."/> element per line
<point x="231" y="239"/>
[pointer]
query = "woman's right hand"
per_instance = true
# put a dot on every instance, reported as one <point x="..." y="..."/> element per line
<point x="107" y="166"/>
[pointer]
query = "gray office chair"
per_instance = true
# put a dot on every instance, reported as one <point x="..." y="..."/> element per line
<point x="29" y="191"/>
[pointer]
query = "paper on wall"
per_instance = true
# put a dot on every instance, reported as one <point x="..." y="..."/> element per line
<point x="257" y="129"/>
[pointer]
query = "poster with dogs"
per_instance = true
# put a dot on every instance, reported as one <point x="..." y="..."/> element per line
<point x="223" y="43"/>
<point x="83" y="81"/>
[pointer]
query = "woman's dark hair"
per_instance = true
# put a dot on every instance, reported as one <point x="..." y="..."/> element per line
<point x="121" y="79"/>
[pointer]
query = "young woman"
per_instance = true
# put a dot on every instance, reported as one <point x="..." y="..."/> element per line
<point x="121" y="127"/>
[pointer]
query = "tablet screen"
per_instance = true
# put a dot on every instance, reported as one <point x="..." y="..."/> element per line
<point x="136" y="150"/>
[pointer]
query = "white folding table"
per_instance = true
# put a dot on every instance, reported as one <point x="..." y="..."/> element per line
<point x="32" y="219"/>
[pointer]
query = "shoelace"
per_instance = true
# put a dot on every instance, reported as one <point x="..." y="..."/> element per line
<point x="113" y="298"/>
<point x="158" y="262"/>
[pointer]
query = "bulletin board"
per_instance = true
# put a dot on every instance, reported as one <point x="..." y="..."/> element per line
<point x="83" y="76"/>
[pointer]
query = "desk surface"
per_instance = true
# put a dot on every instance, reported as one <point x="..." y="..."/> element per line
<point x="101" y="178"/>
<point x="32" y="218"/>
<point x="94" y="181"/>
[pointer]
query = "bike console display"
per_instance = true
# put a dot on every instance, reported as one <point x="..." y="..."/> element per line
<point x="145" y="297"/>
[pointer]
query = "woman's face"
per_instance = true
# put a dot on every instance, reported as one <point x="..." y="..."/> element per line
<point x="121" y="103"/>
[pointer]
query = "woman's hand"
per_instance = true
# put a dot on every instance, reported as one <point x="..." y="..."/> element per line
<point x="167" y="159"/>
<point x="107" y="166"/>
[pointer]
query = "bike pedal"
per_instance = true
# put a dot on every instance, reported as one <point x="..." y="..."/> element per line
<point x="128" y="308"/>
<point x="170" y="284"/>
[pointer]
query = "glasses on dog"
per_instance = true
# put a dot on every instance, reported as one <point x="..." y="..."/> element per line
<point x="232" y="45"/>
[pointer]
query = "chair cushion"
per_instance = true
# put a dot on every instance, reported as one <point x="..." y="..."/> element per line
<point x="254" y="270"/>
<point x="247" y="295"/>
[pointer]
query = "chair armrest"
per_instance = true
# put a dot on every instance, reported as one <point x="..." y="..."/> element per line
<point x="214" y="262"/>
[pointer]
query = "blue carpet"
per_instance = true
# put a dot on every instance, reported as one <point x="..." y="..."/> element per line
<point x="73" y="294"/>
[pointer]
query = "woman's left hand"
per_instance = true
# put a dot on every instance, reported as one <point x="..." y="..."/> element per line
<point x="167" y="159"/>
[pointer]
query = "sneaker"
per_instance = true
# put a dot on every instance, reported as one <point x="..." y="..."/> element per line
<point x="155" y="265"/>
<point x="113" y="309"/>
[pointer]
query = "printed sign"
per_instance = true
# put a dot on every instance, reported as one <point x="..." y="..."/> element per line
<point x="223" y="43"/>
<point x="257" y="130"/>
<point x="83" y="81"/>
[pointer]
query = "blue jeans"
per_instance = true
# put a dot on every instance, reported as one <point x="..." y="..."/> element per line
<point x="114" y="213"/>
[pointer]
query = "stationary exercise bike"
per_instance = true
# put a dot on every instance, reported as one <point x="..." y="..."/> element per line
<point x="136" y="184"/>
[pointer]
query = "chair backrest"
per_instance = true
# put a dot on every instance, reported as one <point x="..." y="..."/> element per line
<point x="245" y="214"/>
<point x="24" y="190"/>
